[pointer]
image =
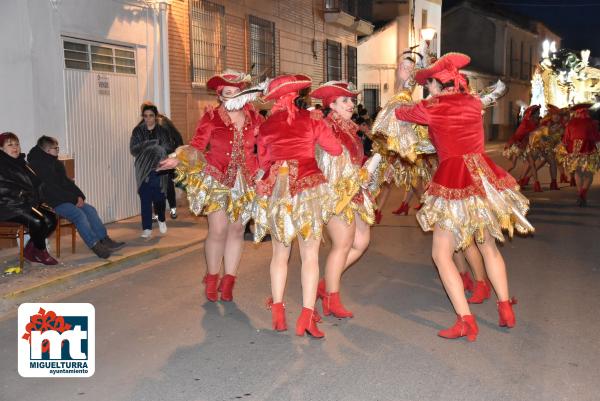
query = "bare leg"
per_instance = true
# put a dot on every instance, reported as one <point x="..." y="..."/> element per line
<point x="460" y="262"/>
<point x="442" y="251"/>
<point x="233" y="247"/>
<point x="476" y="262"/>
<point x="383" y="195"/>
<point x="514" y="159"/>
<point x="342" y="236"/>
<point x="214" y="248"/>
<point x="532" y="167"/>
<point x="309" y="253"/>
<point x="278" y="269"/>
<point x="552" y="164"/>
<point x="495" y="267"/>
<point x="362" y="237"/>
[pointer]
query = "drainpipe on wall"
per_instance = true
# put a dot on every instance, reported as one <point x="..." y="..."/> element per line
<point x="164" y="52"/>
<point x="156" y="98"/>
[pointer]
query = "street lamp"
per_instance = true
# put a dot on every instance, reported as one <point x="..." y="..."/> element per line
<point x="428" y="34"/>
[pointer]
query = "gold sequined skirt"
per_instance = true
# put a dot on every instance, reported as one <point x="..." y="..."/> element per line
<point x="349" y="183"/>
<point x="286" y="217"/>
<point x="491" y="204"/>
<point x="573" y="162"/>
<point x="207" y="195"/>
<point x="514" y="150"/>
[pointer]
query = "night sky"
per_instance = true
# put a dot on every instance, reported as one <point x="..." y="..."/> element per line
<point x="576" y="21"/>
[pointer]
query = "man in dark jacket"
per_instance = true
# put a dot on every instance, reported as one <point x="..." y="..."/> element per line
<point x="67" y="199"/>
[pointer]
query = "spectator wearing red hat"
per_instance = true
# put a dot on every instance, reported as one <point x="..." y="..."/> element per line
<point x="580" y="150"/>
<point x="220" y="181"/>
<point x="517" y="146"/>
<point x="349" y="229"/>
<point x="294" y="199"/>
<point x="469" y="198"/>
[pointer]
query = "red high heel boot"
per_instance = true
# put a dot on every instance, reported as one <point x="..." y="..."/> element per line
<point x="403" y="209"/>
<point x="277" y="315"/>
<point x="378" y="216"/>
<point x="481" y="292"/>
<point x="210" y="288"/>
<point x="564" y="179"/>
<point x="467" y="282"/>
<point x="537" y="187"/>
<point x="464" y="326"/>
<point x="307" y="324"/>
<point x="226" y="287"/>
<point x="554" y="185"/>
<point x="321" y="289"/>
<point x="506" y="316"/>
<point x="332" y="304"/>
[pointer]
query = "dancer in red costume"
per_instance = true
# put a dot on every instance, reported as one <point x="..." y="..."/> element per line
<point x="220" y="181"/>
<point x="349" y="229"/>
<point x="294" y="198"/>
<point x="517" y="146"/>
<point x="469" y="198"/>
<point x="580" y="150"/>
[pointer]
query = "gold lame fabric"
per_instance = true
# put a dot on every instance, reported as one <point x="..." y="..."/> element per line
<point x="206" y="194"/>
<point x="286" y="216"/>
<point x="577" y="161"/>
<point x="404" y="138"/>
<point x="346" y="180"/>
<point x="489" y="205"/>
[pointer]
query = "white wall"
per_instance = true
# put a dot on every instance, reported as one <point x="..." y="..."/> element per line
<point x="31" y="67"/>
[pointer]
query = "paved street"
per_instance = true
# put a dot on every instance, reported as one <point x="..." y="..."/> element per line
<point x="157" y="338"/>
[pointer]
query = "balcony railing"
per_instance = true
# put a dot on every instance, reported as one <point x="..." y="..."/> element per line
<point x="345" y="13"/>
<point x="347" y="6"/>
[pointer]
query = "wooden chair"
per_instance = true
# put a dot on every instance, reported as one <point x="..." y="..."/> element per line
<point x="10" y="230"/>
<point x="62" y="222"/>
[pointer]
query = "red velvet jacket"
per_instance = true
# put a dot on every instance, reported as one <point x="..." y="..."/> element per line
<point x="346" y="131"/>
<point x="278" y="142"/>
<point x="581" y="135"/>
<point x="229" y="148"/>
<point x="521" y="135"/>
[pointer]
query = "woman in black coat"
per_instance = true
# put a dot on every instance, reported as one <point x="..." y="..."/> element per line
<point x="20" y="200"/>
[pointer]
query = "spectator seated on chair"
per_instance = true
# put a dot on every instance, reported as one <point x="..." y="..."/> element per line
<point x="67" y="199"/>
<point x="21" y="200"/>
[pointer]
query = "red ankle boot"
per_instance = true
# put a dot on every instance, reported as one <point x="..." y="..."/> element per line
<point x="226" y="287"/>
<point x="306" y="324"/>
<point x="210" y="288"/>
<point x="321" y="289"/>
<point x="564" y="179"/>
<point x="467" y="282"/>
<point x="554" y="185"/>
<point x="332" y="304"/>
<point x="537" y="187"/>
<point x="506" y="316"/>
<point x="464" y="326"/>
<point x="403" y="209"/>
<point x="481" y="292"/>
<point x="277" y="315"/>
<point x="378" y="216"/>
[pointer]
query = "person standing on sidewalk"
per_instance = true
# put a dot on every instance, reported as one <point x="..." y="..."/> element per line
<point x="175" y="141"/>
<point x="218" y="168"/>
<point x="67" y="199"/>
<point x="21" y="200"/>
<point x="149" y="144"/>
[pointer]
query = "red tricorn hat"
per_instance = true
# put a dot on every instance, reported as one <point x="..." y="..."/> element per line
<point x="530" y="111"/>
<point x="580" y="110"/>
<point x="228" y="78"/>
<point x="284" y="84"/>
<point x="331" y="90"/>
<point x="445" y="69"/>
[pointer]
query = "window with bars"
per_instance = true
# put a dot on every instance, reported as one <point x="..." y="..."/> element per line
<point x="333" y="51"/>
<point x="261" y="48"/>
<point x="93" y="56"/>
<point x="351" y="64"/>
<point x="209" y="39"/>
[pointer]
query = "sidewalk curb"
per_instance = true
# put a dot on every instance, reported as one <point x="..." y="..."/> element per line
<point x="159" y="251"/>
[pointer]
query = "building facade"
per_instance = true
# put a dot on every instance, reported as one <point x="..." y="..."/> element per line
<point x="378" y="54"/>
<point x="263" y="38"/>
<point x="502" y="46"/>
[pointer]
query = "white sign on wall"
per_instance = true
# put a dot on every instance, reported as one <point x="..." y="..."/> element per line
<point x="103" y="85"/>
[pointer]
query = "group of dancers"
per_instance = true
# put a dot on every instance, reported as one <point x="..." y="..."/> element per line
<point x="310" y="174"/>
<point x="566" y="139"/>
